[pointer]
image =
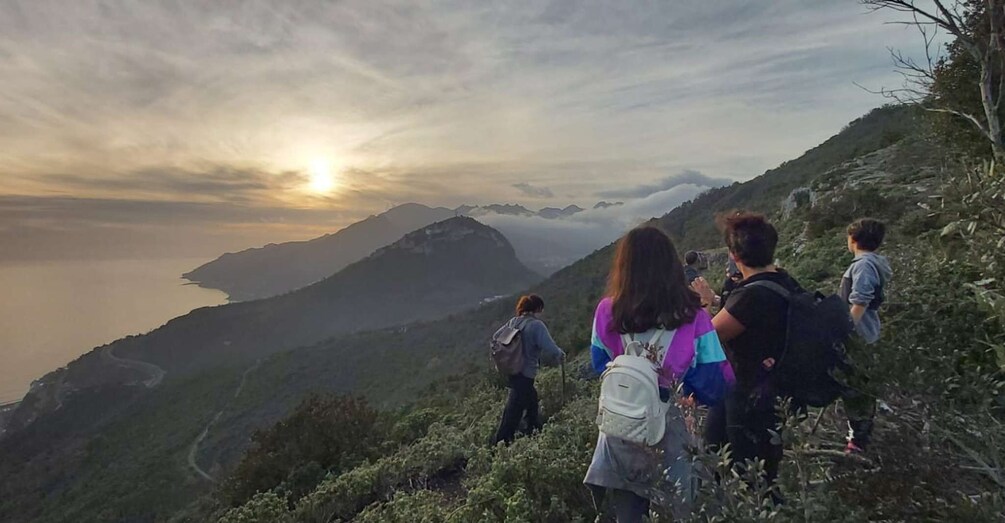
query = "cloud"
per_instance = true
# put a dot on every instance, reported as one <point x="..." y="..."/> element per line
<point x="534" y="192"/>
<point x="422" y="86"/>
<point x="34" y="228"/>
<point x="549" y="244"/>
<point x="685" y="177"/>
<point x="439" y="102"/>
<point x="217" y="183"/>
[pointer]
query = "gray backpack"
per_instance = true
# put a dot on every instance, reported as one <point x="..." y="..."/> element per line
<point x="507" y="347"/>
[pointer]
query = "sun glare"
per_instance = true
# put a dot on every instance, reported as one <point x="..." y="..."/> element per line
<point x="322" y="178"/>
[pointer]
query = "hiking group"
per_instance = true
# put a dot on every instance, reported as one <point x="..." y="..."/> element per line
<point x="663" y="343"/>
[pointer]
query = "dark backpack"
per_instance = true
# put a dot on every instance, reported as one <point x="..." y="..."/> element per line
<point x="507" y="347"/>
<point x="813" y="359"/>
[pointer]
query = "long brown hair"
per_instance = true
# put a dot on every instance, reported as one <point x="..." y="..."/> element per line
<point x="647" y="284"/>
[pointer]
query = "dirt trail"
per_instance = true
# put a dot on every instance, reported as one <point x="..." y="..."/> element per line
<point x="193" y="451"/>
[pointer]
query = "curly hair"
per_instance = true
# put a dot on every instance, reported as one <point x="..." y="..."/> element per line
<point x="750" y="237"/>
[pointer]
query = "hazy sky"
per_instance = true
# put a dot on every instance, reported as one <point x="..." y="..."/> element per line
<point x="135" y="127"/>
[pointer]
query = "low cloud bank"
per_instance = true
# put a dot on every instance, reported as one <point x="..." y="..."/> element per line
<point x="548" y="245"/>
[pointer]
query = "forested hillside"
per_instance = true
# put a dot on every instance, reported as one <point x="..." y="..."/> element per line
<point x="693" y="224"/>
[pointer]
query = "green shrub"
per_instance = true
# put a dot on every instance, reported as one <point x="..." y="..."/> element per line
<point x="412" y="424"/>
<point x="422" y="506"/>
<point x="538" y="478"/>
<point x="464" y="426"/>
<point x="322" y="434"/>
<point x="266" y="507"/>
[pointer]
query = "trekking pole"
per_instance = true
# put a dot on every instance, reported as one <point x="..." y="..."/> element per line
<point x="563" y="383"/>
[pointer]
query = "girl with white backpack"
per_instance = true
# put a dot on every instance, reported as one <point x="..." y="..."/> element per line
<point x="655" y="347"/>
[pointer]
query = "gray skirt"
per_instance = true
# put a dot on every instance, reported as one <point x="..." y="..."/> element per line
<point x="622" y="465"/>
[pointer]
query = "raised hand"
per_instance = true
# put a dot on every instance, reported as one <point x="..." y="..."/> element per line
<point x="700" y="286"/>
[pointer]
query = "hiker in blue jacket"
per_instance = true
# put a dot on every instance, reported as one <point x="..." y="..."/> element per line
<point x="862" y="286"/>
<point x="523" y="402"/>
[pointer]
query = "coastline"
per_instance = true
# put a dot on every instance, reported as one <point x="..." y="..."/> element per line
<point x="46" y="323"/>
<point x="6" y="409"/>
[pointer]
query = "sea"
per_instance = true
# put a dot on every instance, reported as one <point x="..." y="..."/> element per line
<point x="53" y="312"/>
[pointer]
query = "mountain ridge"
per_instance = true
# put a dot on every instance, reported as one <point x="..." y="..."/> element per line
<point x="281" y="267"/>
<point x="277" y="268"/>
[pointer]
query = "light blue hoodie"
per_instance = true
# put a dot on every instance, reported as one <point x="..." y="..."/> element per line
<point x="863" y="284"/>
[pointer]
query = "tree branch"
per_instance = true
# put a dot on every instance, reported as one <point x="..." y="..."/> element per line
<point x="904" y="6"/>
<point x="949" y="20"/>
<point x="973" y="119"/>
<point x="955" y="19"/>
<point x="992" y="472"/>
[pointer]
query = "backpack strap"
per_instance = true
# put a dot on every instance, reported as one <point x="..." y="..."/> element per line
<point x="785" y="294"/>
<point x="775" y="287"/>
<point x="627" y="339"/>
<point x="515" y="326"/>
<point x="519" y="322"/>
<point x="656" y="337"/>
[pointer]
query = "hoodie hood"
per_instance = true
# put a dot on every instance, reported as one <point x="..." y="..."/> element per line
<point x="881" y="263"/>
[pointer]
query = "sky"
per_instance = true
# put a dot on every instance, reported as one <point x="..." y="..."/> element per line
<point x="189" y="128"/>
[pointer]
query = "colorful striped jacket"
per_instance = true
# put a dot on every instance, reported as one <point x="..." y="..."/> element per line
<point x="694" y="356"/>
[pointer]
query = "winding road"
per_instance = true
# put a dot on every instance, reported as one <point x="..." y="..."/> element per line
<point x="193" y="451"/>
<point x="156" y="373"/>
<point x="156" y="376"/>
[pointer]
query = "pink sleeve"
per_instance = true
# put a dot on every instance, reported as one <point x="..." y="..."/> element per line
<point x="603" y="335"/>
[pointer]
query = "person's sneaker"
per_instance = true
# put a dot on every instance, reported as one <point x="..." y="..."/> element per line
<point x="852" y="448"/>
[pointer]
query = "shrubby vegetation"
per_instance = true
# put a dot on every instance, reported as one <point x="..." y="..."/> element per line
<point x="322" y="436"/>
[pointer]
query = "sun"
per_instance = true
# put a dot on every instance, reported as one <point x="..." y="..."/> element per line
<point x="322" y="179"/>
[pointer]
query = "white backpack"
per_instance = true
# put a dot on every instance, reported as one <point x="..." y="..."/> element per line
<point x="630" y="406"/>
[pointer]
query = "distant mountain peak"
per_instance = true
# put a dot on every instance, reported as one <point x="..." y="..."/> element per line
<point x="413" y="212"/>
<point x="495" y="208"/>
<point x="278" y="268"/>
<point x="509" y="209"/>
<point x="552" y="213"/>
<point x="451" y="231"/>
<point x="604" y="205"/>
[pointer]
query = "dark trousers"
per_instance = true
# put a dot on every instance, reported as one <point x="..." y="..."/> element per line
<point x="628" y="506"/>
<point x="744" y="420"/>
<point x="521" y="404"/>
<point x="860" y="407"/>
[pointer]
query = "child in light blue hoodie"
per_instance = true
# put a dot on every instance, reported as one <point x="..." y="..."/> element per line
<point x="862" y="286"/>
